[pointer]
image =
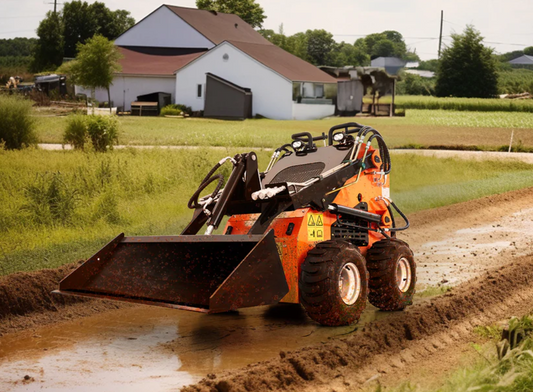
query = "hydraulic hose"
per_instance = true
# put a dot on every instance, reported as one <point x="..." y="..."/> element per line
<point x="193" y="202"/>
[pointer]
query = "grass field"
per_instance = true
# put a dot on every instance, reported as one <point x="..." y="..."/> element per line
<point x="461" y="104"/>
<point x="425" y="128"/>
<point x="60" y="206"/>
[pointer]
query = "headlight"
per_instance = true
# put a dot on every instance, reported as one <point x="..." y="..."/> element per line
<point x="339" y="137"/>
<point x="297" y="144"/>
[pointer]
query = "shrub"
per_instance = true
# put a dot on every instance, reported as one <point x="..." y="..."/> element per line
<point x="170" y="110"/>
<point x="176" y="109"/>
<point x="16" y="124"/>
<point x="415" y="85"/>
<point x="103" y="132"/>
<point x="76" y="132"/>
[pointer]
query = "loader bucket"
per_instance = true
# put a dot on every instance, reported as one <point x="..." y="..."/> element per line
<point x="203" y="273"/>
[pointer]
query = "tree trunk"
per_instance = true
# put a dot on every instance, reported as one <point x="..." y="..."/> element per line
<point x="109" y="100"/>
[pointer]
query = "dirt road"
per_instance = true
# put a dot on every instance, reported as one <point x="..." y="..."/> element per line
<point x="93" y="346"/>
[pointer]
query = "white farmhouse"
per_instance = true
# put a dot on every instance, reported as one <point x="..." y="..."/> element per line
<point x="173" y="49"/>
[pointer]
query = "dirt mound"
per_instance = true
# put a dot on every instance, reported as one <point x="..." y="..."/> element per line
<point x="26" y="299"/>
<point x="26" y="292"/>
<point x="323" y="366"/>
<point x="472" y="211"/>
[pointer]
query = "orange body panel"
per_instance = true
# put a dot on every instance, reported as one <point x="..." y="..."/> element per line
<point x="293" y="247"/>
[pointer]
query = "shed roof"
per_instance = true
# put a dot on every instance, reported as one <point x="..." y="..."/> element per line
<point x="217" y="26"/>
<point x="522" y="60"/>
<point x="284" y="63"/>
<point x="155" y="61"/>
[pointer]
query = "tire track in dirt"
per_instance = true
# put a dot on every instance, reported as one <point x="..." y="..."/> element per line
<point x="390" y="344"/>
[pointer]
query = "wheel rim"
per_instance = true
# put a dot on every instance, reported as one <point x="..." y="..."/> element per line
<point x="403" y="274"/>
<point x="349" y="284"/>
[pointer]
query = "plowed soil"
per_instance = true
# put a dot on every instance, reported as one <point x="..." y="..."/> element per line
<point x="26" y="300"/>
<point x="483" y="248"/>
<point x="392" y="343"/>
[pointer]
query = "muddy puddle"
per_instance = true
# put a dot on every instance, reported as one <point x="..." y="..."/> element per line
<point x="157" y="349"/>
<point x="465" y="253"/>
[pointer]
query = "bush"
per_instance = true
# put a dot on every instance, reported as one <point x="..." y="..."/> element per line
<point x="103" y="132"/>
<point x="515" y="82"/>
<point x="171" y="110"/>
<point x="76" y="132"/>
<point x="415" y="85"/>
<point x="16" y="124"/>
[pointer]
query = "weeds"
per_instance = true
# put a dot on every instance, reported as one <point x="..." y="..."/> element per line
<point x="76" y="131"/>
<point x="509" y="369"/>
<point x="101" y="130"/>
<point x="492" y="332"/>
<point x="17" y="128"/>
<point x="60" y="206"/>
<point x="433" y="291"/>
<point x="49" y="200"/>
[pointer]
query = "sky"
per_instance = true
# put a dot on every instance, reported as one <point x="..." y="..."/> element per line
<point x="506" y="25"/>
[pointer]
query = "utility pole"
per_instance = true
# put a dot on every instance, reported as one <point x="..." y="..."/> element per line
<point x="440" y="36"/>
<point x="55" y="3"/>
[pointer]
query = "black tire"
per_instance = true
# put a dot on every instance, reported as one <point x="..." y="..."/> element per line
<point x="320" y="293"/>
<point x="388" y="291"/>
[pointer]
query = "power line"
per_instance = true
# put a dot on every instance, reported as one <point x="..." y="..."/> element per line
<point x="13" y="32"/>
<point x="505" y="43"/>
<point x="21" y="17"/>
<point x="366" y="35"/>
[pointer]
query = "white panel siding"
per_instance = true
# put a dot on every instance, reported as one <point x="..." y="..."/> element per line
<point x="272" y="93"/>
<point x="163" y="28"/>
<point x="302" y="111"/>
<point x="125" y="89"/>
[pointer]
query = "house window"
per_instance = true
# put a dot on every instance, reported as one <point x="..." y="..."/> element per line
<point x="199" y="89"/>
<point x="319" y="90"/>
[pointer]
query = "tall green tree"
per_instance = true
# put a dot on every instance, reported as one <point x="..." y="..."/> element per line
<point x="529" y="51"/>
<point x="48" y="51"/>
<point x="82" y="20"/>
<point x="79" y="25"/>
<point x="320" y="44"/>
<point x="17" y="47"/>
<point x="345" y="54"/>
<point x="467" y="68"/>
<point x="95" y="65"/>
<point x="295" y="44"/>
<point x="248" y="10"/>
<point x="389" y="43"/>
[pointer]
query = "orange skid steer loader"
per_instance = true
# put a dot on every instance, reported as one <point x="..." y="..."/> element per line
<point x="316" y="228"/>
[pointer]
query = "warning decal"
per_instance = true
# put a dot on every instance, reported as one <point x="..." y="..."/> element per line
<point x="315" y="227"/>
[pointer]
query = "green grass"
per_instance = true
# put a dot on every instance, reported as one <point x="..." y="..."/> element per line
<point x="57" y="207"/>
<point x="60" y="206"/>
<point x="432" y="291"/>
<point x="470" y="119"/>
<point x="418" y="183"/>
<point x="423" y="127"/>
<point x="461" y="104"/>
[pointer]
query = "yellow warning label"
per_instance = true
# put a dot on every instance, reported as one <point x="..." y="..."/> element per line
<point x="315" y="227"/>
